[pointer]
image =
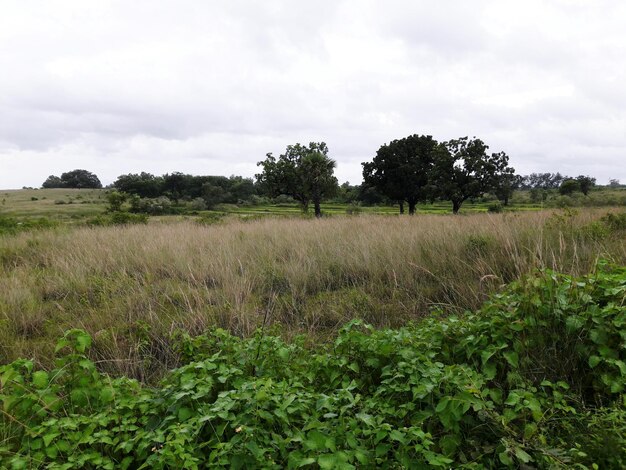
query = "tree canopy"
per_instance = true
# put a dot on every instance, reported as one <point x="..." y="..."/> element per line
<point x="303" y="172"/>
<point x="418" y="168"/>
<point x="466" y="171"/>
<point x="401" y="170"/>
<point x="73" y="179"/>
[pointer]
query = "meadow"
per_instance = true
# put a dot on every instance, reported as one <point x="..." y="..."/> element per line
<point x="134" y="287"/>
<point x="210" y="310"/>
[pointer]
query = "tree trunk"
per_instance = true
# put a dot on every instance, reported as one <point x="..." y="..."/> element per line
<point x="305" y="206"/>
<point x="401" y="207"/>
<point x="456" y="205"/>
<point x="318" y="209"/>
<point x="412" y="205"/>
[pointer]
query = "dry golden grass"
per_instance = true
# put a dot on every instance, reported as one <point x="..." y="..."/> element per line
<point x="133" y="287"/>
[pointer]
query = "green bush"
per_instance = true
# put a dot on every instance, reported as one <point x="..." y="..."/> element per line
<point x="354" y="209"/>
<point x="495" y="207"/>
<point x="9" y="225"/>
<point x="535" y="379"/>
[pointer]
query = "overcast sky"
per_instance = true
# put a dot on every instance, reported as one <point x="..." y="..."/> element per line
<point x="209" y="87"/>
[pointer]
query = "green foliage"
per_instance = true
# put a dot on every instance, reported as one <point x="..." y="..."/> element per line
<point x="585" y="183"/>
<point x="11" y="226"/>
<point x="467" y="171"/>
<point x="569" y="187"/>
<point x="115" y="200"/>
<point x="495" y="207"/>
<point x="304" y="173"/>
<point x="534" y="379"/>
<point x="73" y="179"/>
<point x="615" y="221"/>
<point x="157" y="206"/>
<point x="401" y="170"/>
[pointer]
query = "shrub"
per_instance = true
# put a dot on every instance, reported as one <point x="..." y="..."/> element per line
<point x="198" y="204"/>
<point x="353" y="209"/>
<point x="495" y="207"/>
<point x="157" y="206"/>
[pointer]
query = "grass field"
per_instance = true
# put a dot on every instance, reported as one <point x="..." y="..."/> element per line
<point x="133" y="287"/>
<point x="72" y="205"/>
<point x="221" y="341"/>
<point x="59" y="204"/>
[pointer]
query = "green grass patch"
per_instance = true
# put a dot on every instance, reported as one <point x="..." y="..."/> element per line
<point x="534" y="379"/>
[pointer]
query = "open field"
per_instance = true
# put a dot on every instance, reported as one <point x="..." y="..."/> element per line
<point x="58" y="204"/>
<point x="75" y="206"/>
<point x="194" y="341"/>
<point x="133" y="287"/>
<point x="72" y="205"/>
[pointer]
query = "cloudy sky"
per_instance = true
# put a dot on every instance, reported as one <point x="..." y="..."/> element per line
<point x="209" y="87"/>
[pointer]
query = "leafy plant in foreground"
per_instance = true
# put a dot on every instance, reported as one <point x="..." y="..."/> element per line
<point x="535" y="378"/>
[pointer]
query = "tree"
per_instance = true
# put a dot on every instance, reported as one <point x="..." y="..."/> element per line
<point x="401" y="169"/>
<point x="115" y="200"/>
<point x="80" y="179"/>
<point x="52" y="182"/>
<point x="466" y="171"/>
<point x="585" y="183"/>
<point x="506" y="185"/>
<point x="73" y="179"/>
<point x="320" y="182"/>
<point x="304" y="173"/>
<point x="143" y="184"/>
<point x="213" y="195"/>
<point x="569" y="186"/>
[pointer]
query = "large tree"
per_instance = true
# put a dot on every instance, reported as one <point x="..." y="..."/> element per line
<point x="401" y="169"/>
<point x="466" y="171"/>
<point x="80" y="179"/>
<point x="304" y="173"/>
<point x="73" y="179"/>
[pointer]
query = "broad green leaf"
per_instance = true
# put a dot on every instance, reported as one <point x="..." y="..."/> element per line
<point x="594" y="361"/>
<point x="40" y="379"/>
<point x="512" y="358"/>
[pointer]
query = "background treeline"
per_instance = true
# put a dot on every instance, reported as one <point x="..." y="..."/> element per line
<point x="413" y="170"/>
<point x="178" y="192"/>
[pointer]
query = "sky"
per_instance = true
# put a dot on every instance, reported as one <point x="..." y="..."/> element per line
<point x="210" y="87"/>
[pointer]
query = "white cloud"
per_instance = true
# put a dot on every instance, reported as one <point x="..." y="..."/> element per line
<point x="210" y="87"/>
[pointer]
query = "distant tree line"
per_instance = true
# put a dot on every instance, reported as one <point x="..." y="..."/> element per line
<point x="570" y="184"/>
<point x="414" y="169"/>
<point x="177" y="186"/>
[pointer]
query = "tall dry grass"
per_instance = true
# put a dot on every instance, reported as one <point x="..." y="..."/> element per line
<point x="134" y="287"/>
